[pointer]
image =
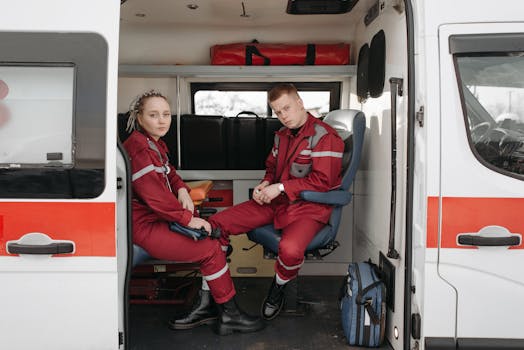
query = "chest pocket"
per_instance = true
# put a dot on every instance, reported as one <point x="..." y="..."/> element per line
<point x="302" y="164"/>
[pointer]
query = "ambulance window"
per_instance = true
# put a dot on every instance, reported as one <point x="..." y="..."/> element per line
<point x="40" y="99"/>
<point x="492" y="93"/>
<point x="230" y="103"/>
<point x="228" y="99"/>
<point x="52" y="115"/>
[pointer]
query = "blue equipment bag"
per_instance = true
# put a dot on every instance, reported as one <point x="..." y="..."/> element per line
<point x="363" y="305"/>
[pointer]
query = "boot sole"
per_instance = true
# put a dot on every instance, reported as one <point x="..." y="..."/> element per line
<point x="206" y="321"/>
<point x="227" y="330"/>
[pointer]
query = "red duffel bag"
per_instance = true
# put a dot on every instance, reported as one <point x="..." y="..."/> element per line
<point x="257" y="54"/>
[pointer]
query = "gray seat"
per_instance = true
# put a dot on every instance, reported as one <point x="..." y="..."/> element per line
<point x="351" y="126"/>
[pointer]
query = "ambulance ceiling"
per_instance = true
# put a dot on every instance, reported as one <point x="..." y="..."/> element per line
<point x="235" y="13"/>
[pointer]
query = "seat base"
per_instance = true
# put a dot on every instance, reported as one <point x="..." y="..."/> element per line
<point x="157" y="283"/>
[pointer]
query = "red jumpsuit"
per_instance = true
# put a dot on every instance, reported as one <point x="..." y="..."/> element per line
<point x="155" y="183"/>
<point x="309" y="160"/>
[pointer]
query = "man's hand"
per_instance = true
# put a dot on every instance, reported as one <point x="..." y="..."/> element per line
<point x="185" y="199"/>
<point x="198" y="223"/>
<point x="266" y="194"/>
<point x="258" y="191"/>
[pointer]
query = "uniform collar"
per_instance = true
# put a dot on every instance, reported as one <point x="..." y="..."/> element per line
<point x="160" y="143"/>
<point x="306" y="130"/>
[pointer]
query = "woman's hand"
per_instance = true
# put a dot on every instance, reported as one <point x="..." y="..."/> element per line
<point x="185" y="199"/>
<point x="199" y="223"/>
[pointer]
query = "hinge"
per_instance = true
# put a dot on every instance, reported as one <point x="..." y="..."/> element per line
<point x="420" y="116"/>
<point x="415" y="326"/>
<point x="119" y="182"/>
<point x="120" y="338"/>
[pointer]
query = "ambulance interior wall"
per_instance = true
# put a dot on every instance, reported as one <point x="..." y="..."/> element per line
<point x="148" y="45"/>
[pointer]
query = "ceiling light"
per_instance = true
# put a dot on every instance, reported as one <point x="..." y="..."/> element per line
<point x="192" y="6"/>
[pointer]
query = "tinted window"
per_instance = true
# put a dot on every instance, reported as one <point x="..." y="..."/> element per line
<point x="492" y="91"/>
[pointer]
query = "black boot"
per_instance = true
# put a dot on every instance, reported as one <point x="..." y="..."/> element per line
<point x="204" y="312"/>
<point x="232" y="319"/>
<point x="274" y="301"/>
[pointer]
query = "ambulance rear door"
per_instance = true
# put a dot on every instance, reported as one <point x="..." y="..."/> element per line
<point x="481" y="202"/>
<point x="58" y="264"/>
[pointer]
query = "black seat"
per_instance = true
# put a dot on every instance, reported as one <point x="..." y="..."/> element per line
<point x="204" y="142"/>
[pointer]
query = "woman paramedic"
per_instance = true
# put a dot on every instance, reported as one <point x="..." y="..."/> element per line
<point x="159" y="197"/>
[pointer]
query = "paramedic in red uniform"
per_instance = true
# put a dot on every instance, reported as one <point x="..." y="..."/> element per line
<point x="306" y="155"/>
<point x="159" y="197"/>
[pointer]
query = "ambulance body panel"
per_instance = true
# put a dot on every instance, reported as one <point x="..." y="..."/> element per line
<point x="463" y="285"/>
<point x="63" y="301"/>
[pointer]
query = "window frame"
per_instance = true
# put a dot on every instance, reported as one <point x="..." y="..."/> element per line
<point x="479" y="45"/>
<point x="88" y="54"/>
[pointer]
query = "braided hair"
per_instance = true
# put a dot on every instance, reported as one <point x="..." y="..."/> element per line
<point x="137" y="107"/>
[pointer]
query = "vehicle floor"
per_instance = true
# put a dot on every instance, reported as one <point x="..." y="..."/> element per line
<point x="318" y="328"/>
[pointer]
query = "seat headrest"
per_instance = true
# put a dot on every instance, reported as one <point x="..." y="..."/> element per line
<point x="342" y="121"/>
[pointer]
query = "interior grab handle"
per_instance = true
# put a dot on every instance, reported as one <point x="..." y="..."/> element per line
<point x="396" y="88"/>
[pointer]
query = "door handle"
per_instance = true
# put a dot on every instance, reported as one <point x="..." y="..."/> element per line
<point x="477" y="240"/>
<point x="46" y="249"/>
<point x="490" y="236"/>
<point x="37" y="243"/>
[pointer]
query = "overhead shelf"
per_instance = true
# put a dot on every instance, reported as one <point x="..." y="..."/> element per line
<point x="139" y="70"/>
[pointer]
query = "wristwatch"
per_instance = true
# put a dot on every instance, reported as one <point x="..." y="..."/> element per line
<point x="281" y="187"/>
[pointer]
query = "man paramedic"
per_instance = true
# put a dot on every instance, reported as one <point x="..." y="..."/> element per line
<point x="306" y="155"/>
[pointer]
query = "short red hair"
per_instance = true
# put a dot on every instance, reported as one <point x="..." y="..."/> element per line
<point x="282" y="89"/>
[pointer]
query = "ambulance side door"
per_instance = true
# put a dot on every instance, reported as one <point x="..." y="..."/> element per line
<point x="480" y="249"/>
<point x="58" y="263"/>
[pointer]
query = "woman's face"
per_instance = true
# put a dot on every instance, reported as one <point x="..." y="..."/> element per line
<point x="155" y="118"/>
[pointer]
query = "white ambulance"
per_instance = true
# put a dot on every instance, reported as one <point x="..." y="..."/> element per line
<point x="437" y="202"/>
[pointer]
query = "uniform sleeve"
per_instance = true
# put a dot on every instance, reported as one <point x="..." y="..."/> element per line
<point x="326" y="165"/>
<point x="150" y="187"/>
<point x="271" y="163"/>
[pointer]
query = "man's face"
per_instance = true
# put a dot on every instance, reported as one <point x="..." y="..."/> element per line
<point x="290" y="111"/>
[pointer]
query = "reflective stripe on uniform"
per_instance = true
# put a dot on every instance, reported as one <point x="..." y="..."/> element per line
<point x="289" y="268"/>
<point x="327" y="154"/>
<point x="305" y="152"/>
<point x="217" y="274"/>
<point x="280" y="280"/>
<point x="147" y="170"/>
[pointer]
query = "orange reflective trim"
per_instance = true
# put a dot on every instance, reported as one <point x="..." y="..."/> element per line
<point x="90" y="225"/>
<point x="469" y="215"/>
